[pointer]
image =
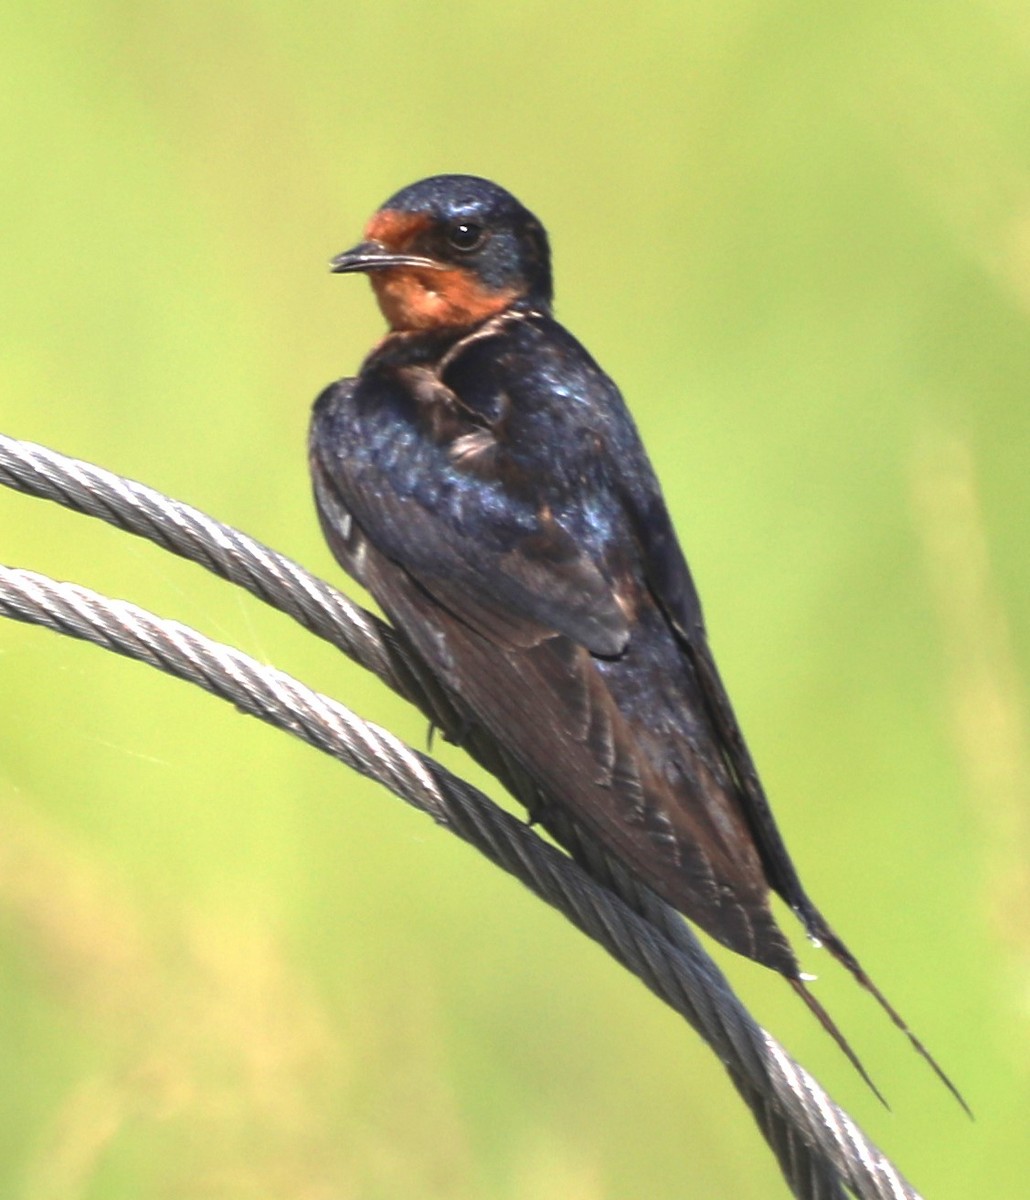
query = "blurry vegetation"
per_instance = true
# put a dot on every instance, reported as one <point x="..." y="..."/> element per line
<point x="799" y="237"/>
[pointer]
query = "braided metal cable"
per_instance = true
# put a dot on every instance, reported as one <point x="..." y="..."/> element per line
<point x="191" y="534"/>
<point x="820" y="1150"/>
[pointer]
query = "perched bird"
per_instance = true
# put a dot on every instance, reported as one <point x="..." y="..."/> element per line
<point x="482" y="477"/>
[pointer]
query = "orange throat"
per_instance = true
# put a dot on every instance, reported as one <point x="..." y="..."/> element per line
<point x="429" y="298"/>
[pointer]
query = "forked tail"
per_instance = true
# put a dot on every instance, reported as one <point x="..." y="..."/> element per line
<point x="821" y="933"/>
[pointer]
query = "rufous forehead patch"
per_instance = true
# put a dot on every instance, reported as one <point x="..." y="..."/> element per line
<point x="395" y="229"/>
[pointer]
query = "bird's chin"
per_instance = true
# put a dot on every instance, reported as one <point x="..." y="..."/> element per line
<point x="418" y="299"/>
<point x="404" y="299"/>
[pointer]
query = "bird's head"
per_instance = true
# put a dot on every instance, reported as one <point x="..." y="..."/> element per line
<point x="451" y="251"/>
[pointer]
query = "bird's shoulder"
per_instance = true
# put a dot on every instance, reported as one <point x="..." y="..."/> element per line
<point x="427" y="477"/>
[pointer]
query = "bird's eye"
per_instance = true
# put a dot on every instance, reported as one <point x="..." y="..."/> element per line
<point x="466" y="236"/>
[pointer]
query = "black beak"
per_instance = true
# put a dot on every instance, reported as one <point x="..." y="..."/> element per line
<point x="374" y="256"/>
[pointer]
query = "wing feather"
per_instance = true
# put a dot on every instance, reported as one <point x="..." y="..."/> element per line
<point x="544" y="697"/>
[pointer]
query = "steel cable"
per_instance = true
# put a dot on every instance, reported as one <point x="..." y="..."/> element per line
<point x="820" y="1149"/>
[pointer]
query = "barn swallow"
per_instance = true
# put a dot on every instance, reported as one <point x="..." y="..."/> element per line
<point x="484" y="480"/>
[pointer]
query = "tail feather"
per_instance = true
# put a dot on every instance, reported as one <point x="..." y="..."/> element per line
<point x="828" y="1023"/>
<point x="821" y="933"/>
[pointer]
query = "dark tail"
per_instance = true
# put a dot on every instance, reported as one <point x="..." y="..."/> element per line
<point x="779" y="870"/>
<point x="821" y="933"/>
<point x="828" y="1023"/>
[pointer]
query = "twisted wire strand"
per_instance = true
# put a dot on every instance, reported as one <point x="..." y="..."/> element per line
<point x="225" y="551"/>
<point x="820" y="1150"/>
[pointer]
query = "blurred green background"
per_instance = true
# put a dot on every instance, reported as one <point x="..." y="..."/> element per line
<point x="798" y="235"/>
